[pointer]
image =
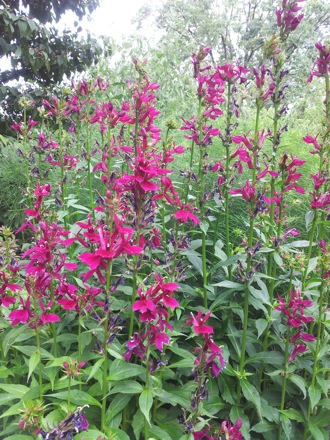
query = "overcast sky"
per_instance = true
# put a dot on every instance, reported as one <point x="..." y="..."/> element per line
<point x="114" y="17"/>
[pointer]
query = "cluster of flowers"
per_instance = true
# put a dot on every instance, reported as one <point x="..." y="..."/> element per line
<point x="296" y="319"/>
<point x="152" y="306"/>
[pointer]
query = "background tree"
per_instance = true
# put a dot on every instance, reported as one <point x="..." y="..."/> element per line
<point x="39" y="52"/>
<point x="234" y="30"/>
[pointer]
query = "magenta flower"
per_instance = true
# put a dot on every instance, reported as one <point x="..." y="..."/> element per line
<point x="109" y="246"/>
<point x="296" y="318"/>
<point x="185" y="213"/>
<point x="6" y="285"/>
<point x="230" y="431"/>
<point x="320" y="200"/>
<point x="210" y="357"/>
<point x="198" y="323"/>
<point x="46" y="317"/>
<point x="313" y="141"/>
<point x="322" y="65"/>
<point x="23" y="314"/>
<point x="318" y="179"/>
<point x="248" y="191"/>
<point x="135" y="346"/>
<point x="143" y="305"/>
<point x="287" y="18"/>
<point x="233" y="72"/>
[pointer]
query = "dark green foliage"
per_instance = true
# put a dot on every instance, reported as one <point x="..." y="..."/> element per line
<point x="40" y="54"/>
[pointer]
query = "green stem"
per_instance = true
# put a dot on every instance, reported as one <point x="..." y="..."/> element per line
<point x="79" y="345"/>
<point x="36" y="328"/>
<point x="63" y="186"/>
<point x="134" y="293"/>
<point x="147" y="388"/>
<point x="39" y="365"/>
<point x="226" y="187"/>
<point x="319" y="338"/>
<point x="105" y="349"/>
<point x="55" y="348"/>
<point x="249" y="260"/>
<point x="285" y="369"/>
<point x="204" y="268"/>
<point x="309" y="252"/>
<point x="69" y="394"/>
<point x="26" y="154"/>
<point x="192" y="148"/>
<point x="88" y="153"/>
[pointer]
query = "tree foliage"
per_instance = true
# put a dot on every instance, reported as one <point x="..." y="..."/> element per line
<point x="234" y="30"/>
<point x="39" y="53"/>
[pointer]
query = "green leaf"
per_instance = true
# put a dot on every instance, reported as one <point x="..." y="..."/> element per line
<point x="227" y="385"/>
<point x="79" y="207"/>
<point x="317" y="434"/>
<point x="91" y="434"/>
<point x="5" y="398"/>
<point x="235" y="337"/>
<point x="118" y="403"/>
<point x="18" y="52"/>
<point x="314" y="395"/>
<point x="117" y="434"/>
<point x="309" y="218"/>
<point x="58" y="362"/>
<point x="33" y="362"/>
<point x="297" y="244"/>
<point x="28" y="350"/>
<point x="127" y="387"/>
<point x="251" y="394"/>
<point x="260" y="295"/>
<point x="183" y="363"/>
<point x="19" y="437"/>
<point x="322" y="419"/>
<point x="16" y="391"/>
<point x="263" y="427"/>
<point x="95" y="368"/>
<point x="261" y="325"/>
<point x="293" y="414"/>
<point x="156" y="432"/>
<point x="138" y="423"/>
<point x="182" y="353"/>
<point x="196" y="261"/>
<point x="324" y="403"/>
<point x="323" y="383"/>
<point x="228" y="262"/>
<point x="145" y="403"/>
<point x="204" y="227"/>
<point x="78" y="397"/>
<point x="11" y="337"/>
<point x="13" y="410"/>
<point x="287" y="427"/>
<point x="173" y="399"/>
<point x="266" y="357"/>
<point x="5" y="372"/>
<point x="230" y="285"/>
<point x="120" y="370"/>
<point x="312" y="264"/>
<point x="300" y="382"/>
<point x="278" y="260"/>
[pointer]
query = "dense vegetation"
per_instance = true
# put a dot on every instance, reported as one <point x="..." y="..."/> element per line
<point x="165" y="277"/>
<point x="40" y="53"/>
